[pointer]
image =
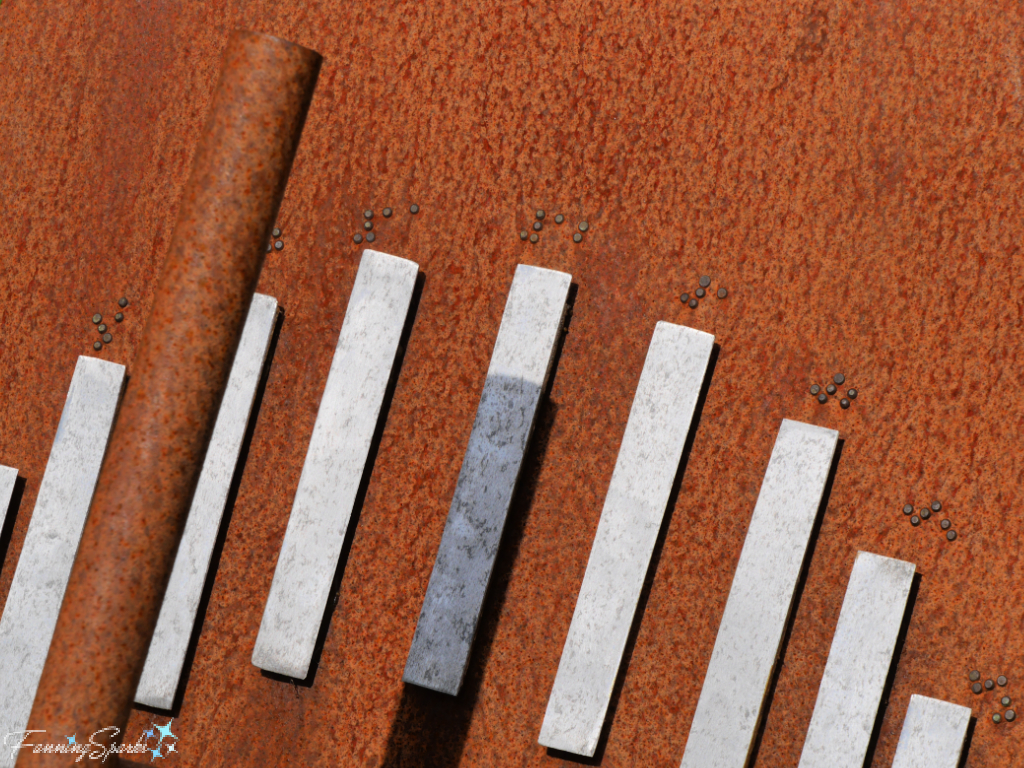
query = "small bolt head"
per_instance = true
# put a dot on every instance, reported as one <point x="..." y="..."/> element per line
<point x="387" y="213"/>
<point x="951" y="535"/>
<point x="102" y="327"/>
<point x="975" y="675"/>
<point x="523" y="235"/>
<point x="367" y="225"/>
<point x="97" y="318"/>
<point x="925" y="513"/>
<point x="908" y="509"/>
<point x="700" y="293"/>
<point x="693" y="303"/>
<point x="945" y="525"/>
<point x="534" y="237"/>
<point x="722" y="293"/>
<point x="989" y="684"/>
<point x="976" y="687"/>
<point x="107" y="338"/>
<point x="822" y="398"/>
<point x="1005" y="701"/>
<point x="1001" y="681"/>
<point x="367" y="214"/>
<point x="98" y="345"/>
<point x="279" y="245"/>
<point x="685" y="298"/>
<point x="915" y="521"/>
<point x="704" y="281"/>
<point x="936" y="506"/>
<point x="1010" y="715"/>
<point x="815" y="389"/>
<point x="276" y="232"/>
<point x="370" y="237"/>
<point x="414" y="209"/>
<point x="996" y="718"/>
<point x="584" y="226"/>
<point x="357" y="238"/>
<point x="839" y="378"/>
<point x="559" y="219"/>
<point x="122" y="303"/>
<point x="270" y="247"/>
<point x="537" y="226"/>
<point x="852" y="394"/>
<point x="119" y="316"/>
<point x="577" y="238"/>
<point x="844" y="403"/>
<point x="831" y="389"/>
<point x="540" y="214"/>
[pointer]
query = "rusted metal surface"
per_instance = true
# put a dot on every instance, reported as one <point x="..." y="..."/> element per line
<point x="156" y="451"/>
<point x="851" y="173"/>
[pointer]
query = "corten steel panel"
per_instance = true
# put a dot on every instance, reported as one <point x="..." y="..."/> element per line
<point x="851" y="173"/>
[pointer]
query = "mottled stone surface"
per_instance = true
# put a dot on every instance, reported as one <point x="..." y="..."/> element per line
<point x="167" y="651"/>
<point x="634" y="509"/>
<point x="335" y="462"/>
<point x="51" y="543"/>
<point x="933" y="734"/>
<point x="8" y="477"/>
<point x="858" y="663"/>
<point x="761" y="598"/>
<point x="521" y="362"/>
<point x="851" y="173"/>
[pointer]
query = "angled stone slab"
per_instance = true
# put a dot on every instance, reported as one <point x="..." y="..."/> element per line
<point x="638" y="495"/>
<point x="335" y="463"/>
<point x="761" y="598"/>
<point x="933" y="734"/>
<point x="518" y="373"/>
<point x="8" y="477"/>
<point x="166" y="657"/>
<point x="51" y="542"/>
<point x="858" y="663"/>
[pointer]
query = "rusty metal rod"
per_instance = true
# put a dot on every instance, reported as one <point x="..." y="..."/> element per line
<point x="158" y="444"/>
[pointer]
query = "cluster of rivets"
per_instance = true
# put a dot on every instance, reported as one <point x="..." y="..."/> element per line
<point x="538" y="226"/>
<point x="275" y="244"/>
<point x="977" y="687"/>
<point x="368" y="223"/>
<point x="101" y="327"/>
<point x="831" y="389"/>
<point x="925" y="514"/>
<point x="704" y="283"/>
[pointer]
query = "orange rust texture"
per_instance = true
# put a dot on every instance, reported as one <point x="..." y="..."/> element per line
<point x="851" y="172"/>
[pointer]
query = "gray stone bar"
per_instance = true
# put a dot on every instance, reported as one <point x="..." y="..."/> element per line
<point x="166" y="657"/>
<point x="933" y="734"/>
<point x="761" y="598"/>
<point x="634" y="507"/>
<point x="8" y="477"/>
<point x="335" y="463"/>
<point x="858" y="663"/>
<point x="51" y="542"/>
<point x="519" y="369"/>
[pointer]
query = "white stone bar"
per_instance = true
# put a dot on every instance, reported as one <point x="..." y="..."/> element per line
<point x="933" y="734"/>
<point x="858" y="663"/>
<point x="51" y="542"/>
<point x="335" y="462"/>
<point x="518" y="373"/>
<point x="634" y="507"/>
<point x="761" y="598"/>
<point x="8" y="477"/>
<point x="166" y="658"/>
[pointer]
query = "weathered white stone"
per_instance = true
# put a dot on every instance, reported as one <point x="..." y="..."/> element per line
<point x="51" y="542"/>
<point x="8" y="477"/>
<point x="167" y="651"/>
<point x="638" y="495"/>
<point x="858" y="663"/>
<point x="933" y="734"/>
<point x="518" y="373"/>
<point x="761" y="598"/>
<point x="335" y="463"/>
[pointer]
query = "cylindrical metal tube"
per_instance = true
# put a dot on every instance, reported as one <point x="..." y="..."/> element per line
<point x="177" y="381"/>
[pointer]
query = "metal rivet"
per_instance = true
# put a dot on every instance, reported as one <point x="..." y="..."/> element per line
<point x="119" y="317"/>
<point x="908" y="509"/>
<point x="1005" y="701"/>
<point x="1009" y="715"/>
<point x="577" y="238"/>
<point x="925" y="513"/>
<point x="839" y="378"/>
<point x="844" y="403"/>
<point x="107" y="338"/>
<point x="915" y="520"/>
<point x="936" y="506"/>
<point x="722" y="293"/>
<point x="1001" y="681"/>
<point x="584" y="226"/>
<point x="523" y="235"/>
<point x="815" y="389"/>
<point x="102" y="327"/>
<point x="270" y="247"/>
<point x="537" y="226"/>
<point x="700" y="293"/>
<point x="367" y="225"/>
<point x="945" y="525"/>
<point x="367" y="214"/>
<point x="852" y="394"/>
<point x="414" y="209"/>
<point x="989" y="685"/>
<point x="951" y="535"/>
<point x="534" y="237"/>
<point x="370" y="237"/>
<point x="387" y="213"/>
<point x="705" y="281"/>
<point x="540" y="214"/>
<point x="277" y="232"/>
<point x="976" y="687"/>
<point x="823" y="398"/>
<point x="98" y="345"/>
<point x="559" y="219"/>
<point x="996" y="718"/>
<point x="97" y="318"/>
<point x="279" y="245"/>
<point x="975" y="675"/>
<point x="358" y="238"/>
<point x="122" y="303"/>
<point x="684" y="298"/>
<point x="693" y="303"/>
<point x="831" y="389"/>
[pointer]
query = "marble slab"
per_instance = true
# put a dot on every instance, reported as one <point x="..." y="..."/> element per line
<point x="8" y="477"/>
<point x="933" y="734"/>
